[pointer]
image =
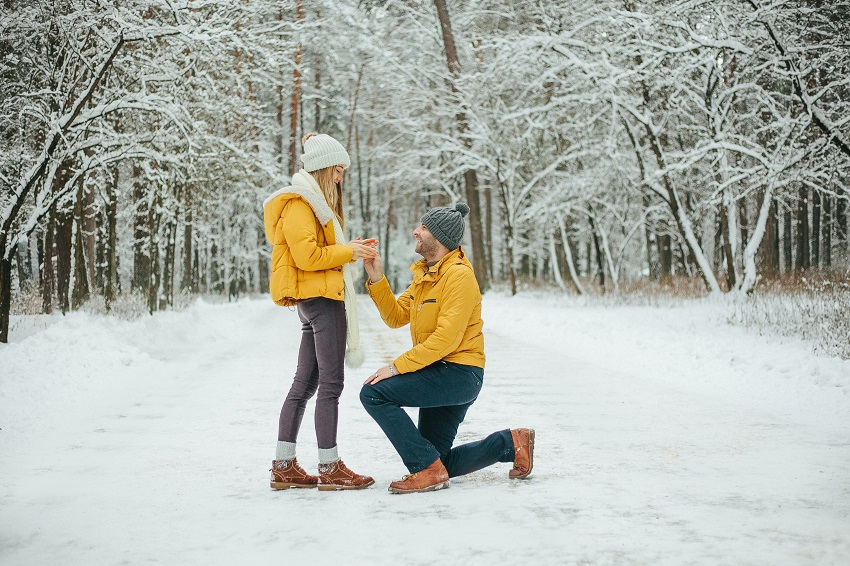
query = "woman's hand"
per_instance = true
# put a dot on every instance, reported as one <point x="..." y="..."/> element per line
<point x="363" y="249"/>
<point x="382" y="374"/>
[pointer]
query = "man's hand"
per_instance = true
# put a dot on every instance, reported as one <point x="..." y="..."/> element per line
<point x="374" y="267"/>
<point x="380" y="375"/>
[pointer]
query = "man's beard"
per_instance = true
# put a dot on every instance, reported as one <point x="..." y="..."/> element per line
<point x="426" y="249"/>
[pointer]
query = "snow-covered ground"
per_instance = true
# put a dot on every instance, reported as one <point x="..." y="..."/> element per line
<point x="664" y="436"/>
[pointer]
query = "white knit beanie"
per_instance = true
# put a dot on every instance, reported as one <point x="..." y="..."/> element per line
<point x="321" y="150"/>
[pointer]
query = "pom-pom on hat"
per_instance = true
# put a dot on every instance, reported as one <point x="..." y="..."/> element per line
<point x="446" y="224"/>
<point x="321" y="150"/>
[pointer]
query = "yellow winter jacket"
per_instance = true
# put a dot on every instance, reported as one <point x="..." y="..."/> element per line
<point x="443" y="307"/>
<point x="306" y="258"/>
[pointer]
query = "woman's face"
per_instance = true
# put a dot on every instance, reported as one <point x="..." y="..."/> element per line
<point x="338" y="174"/>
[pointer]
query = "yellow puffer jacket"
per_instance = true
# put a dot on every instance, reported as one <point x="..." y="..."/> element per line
<point x="306" y="258"/>
<point x="443" y="307"/>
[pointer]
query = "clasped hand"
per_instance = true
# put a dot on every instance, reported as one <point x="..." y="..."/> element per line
<point x="363" y="249"/>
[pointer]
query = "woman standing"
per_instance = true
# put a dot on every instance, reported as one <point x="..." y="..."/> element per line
<point x="311" y="271"/>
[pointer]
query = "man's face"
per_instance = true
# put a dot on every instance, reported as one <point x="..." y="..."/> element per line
<point x="426" y="243"/>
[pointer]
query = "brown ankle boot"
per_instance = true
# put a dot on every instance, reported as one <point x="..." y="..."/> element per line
<point x="287" y="473"/>
<point x="432" y="478"/>
<point x="523" y="453"/>
<point x="337" y="476"/>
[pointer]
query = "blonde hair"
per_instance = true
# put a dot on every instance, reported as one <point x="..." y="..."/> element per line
<point x="331" y="190"/>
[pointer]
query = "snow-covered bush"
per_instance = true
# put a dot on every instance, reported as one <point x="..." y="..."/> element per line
<point x="816" y="312"/>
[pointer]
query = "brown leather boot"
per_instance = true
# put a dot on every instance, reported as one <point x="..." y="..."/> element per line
<point x="287" y="473"/>
<point x="337" y="476"/>
<point x="523" y="453"/>
<point x="432" y="478"/>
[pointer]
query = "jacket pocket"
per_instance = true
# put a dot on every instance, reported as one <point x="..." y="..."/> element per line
<point x="426" y="302"/>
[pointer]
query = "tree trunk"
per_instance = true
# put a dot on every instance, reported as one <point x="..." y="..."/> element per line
<point x="568" y="254"/>
<point x="214" y="274"/>
<point x="555" y="263"/>
<point x="743" y="224"/>
<point x="524" y="266"/>
<point x="609" y="257"/>
<point x="100" y="253"/>
<point x="22" y="259"/>
<point x="766" y="211"/>
<point x="841" y="230"/>
<point x="665" y="255"/>
<point x="5" y="296"/>
<point x="82" y="290"/>
<point x="355" y="97"/>
<point x="488" y="231"/>
<point x="296" y="96"/>
<point x="387" y="225"/>
<point x="727" y="247"/>
<point x="362" y="197"/>
<point x="317" y="114"/>
<point x="187" y="284"/>
<point x="470" y="177"/>
<point x="155" y="274"/>
<point x="683" y="222"/>
<point x="803" y="257"/>
<point x="39" y="243"/>
<point x="651" y="266"/>
<point x="600" y="268"/>
<point x="64" y="240"/>
<point x="48" y="276"/>
<point x="769" y="249"/>
<point x="89" y="233"/>
<point x="141" y="234"/>
<point x="719" y="254"/>
<point x="262" y="262"/>
<point x="167" y="296"/>
<point x="816" y="228"/>
<point x="827" y="232"/>
<point x="509" y="239"/>
<point x="280" y="134"/>
<point x="728" y="215"/>
<point x="111" y="283"/>
<point x="787" y="240"/>
<point x="476" y="231"/>
<point x="370" y="145"/>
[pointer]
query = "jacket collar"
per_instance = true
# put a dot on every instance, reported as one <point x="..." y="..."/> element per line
<point x="421" y="271"/>
<point x="306" y="187"/>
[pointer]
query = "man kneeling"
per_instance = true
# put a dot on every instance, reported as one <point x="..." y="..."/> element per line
<point x="443" y="372"/>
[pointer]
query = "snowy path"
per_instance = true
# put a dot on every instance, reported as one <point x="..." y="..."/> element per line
<point x="149" y="442"/>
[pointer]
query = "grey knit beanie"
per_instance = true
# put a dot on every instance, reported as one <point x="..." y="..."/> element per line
<point x="321" y="150"/>
<point x="446" y="224"/>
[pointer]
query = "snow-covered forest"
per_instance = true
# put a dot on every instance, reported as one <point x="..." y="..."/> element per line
<point x="601" y="144"/>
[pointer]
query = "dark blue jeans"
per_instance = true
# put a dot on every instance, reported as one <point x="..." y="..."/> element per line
<point x="443" y="391"/>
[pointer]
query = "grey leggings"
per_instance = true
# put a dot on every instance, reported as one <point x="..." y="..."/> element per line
<point x="320" y="367"/>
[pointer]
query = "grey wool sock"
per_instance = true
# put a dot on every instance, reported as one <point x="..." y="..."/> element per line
<point x="285" y="450"/>
<point x="328" y="455"/>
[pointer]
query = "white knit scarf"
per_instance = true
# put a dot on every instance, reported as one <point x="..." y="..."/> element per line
<point x="305" y="186"/>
